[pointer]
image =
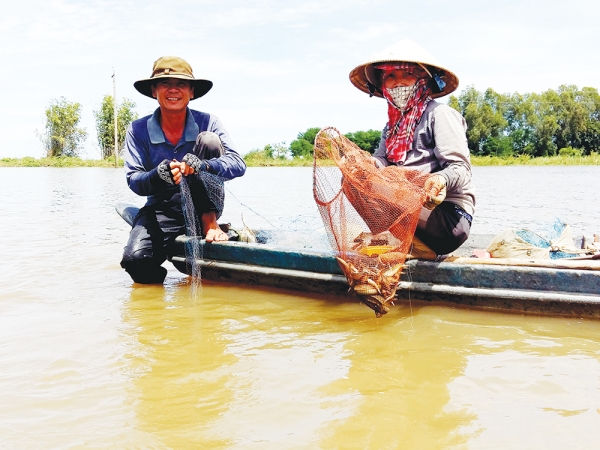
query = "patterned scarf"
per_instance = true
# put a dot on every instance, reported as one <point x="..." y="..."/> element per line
<point x="403" y="121"/>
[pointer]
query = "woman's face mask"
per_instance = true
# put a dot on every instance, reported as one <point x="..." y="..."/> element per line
<point x="400" y="95"/>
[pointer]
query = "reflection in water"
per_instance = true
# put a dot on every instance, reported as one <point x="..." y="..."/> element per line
<point x="545" y="402"/>
<point x="214" y="371"/>
<point x="266" y="371"/>
<point x="400" y="371"/>
<point x="544" y="389"/>
<point x="177" y="384"/>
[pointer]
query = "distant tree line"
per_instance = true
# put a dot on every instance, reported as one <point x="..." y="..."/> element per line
<point x="301" y="149"/>
<point x="563" y="121"/>
<point x="62" y="135"/>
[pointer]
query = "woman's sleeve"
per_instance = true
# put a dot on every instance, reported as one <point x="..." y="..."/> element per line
<point x="451" y="149"/>
<point x="380" y="154"/>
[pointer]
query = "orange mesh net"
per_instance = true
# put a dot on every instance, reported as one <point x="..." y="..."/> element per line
<point x="370" y="215"/>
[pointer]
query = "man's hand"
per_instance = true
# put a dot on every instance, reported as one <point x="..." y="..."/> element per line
<point x="176" y="172"/>
<point x="180" y="169"/>
<point x="186" y="169"/>
<point x="435" y="188"/>
<point x="192" y="164"/>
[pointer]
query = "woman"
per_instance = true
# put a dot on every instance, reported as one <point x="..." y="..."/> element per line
<point x="425" y="135"/>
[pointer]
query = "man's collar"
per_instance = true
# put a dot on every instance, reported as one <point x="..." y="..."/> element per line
<point x="157" y="136"/>
<point x="191" y="127"/>
<point x="154" y="130"/>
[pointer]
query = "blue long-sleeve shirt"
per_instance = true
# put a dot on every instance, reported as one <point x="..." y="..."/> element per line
<point x="146" y="147"/>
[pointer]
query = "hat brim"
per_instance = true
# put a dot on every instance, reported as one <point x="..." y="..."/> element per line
<point x="360" y="75"/>
<point x="201" y="87"/>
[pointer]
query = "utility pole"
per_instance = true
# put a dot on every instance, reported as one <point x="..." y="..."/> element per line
<point x="116" y="121"/>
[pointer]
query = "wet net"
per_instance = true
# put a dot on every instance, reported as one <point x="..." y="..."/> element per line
<point x="370" y="215"/>
<point x="214" y="187"/>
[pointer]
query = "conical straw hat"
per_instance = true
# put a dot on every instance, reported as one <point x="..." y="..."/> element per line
<point x="403" y="51"/>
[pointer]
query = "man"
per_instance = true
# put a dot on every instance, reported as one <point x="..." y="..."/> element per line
<point x="162" y="148"/>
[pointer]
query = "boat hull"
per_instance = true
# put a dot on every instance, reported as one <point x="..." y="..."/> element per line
<point x="568" y="291"/>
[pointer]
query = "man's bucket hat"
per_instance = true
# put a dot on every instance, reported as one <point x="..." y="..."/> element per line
<point x="172" y="67"/>
<point x="403" y="51"/>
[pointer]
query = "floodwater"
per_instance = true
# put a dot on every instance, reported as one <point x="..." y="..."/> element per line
<point x="89" y="360"/>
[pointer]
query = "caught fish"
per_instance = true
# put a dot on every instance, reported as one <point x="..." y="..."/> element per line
<point x="376" y="288"/>
<point x="377" y="303"/>
<point x="246" y="234"/>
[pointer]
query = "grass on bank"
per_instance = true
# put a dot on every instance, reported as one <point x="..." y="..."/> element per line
<point x="256" y="159"/>
<point x="559" y="160"/>
<point x="62" y="161"/>
<point x="259" y="159"/>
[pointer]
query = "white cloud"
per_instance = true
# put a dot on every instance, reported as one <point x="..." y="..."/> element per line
<point x="277" y="69"/>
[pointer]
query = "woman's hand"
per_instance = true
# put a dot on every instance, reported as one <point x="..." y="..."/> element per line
<point x="435" y="189"/>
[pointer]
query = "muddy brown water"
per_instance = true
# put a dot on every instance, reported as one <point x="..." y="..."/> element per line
<point x="89" y="360"/>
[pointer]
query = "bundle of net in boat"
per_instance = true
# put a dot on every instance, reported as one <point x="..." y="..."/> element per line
<point x="191" y="189"/>
<point x="370" y="215"/>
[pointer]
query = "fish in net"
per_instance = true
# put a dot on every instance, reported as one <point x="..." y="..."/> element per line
<point x="370" y="215"/>
<point x="214" y="188"/>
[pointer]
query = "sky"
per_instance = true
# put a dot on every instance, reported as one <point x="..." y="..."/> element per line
<point x="278" y="67"/>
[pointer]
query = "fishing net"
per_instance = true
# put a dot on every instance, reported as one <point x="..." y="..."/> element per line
<point x="370" y="215"/>
<point x="213" y="186"/>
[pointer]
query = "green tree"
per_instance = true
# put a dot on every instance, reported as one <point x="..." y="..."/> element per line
<point x="484" y="116"/>
<point x="309" y="135"/>
<point x="590" y="137"/>
<point x="105" y="124"/>
<point x="302" y="146"/>
<point x="546" y="129"/>
<point x="276" y="151"/>
<point x="570" y="151"/>
<point x="573" y="117"/>
<point x="62" y="136"/>
<point x="367" y="140"/>
<point x="498" y="146"/>
<point x="520" y="114"/>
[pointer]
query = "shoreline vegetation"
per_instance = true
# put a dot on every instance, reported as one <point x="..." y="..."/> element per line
<point x="555" y="128"/>
<point x="255" y="160"/>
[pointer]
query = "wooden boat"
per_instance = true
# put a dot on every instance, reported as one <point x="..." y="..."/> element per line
<point x="556" y="287"/>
